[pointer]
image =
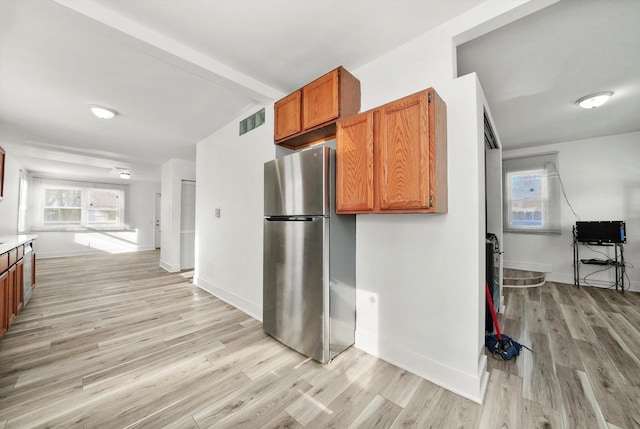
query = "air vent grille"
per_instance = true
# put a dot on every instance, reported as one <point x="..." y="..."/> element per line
<point x="252" y="122"/>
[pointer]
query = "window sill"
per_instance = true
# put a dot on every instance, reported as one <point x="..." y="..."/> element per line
<point x="533" y="232"/>
<point x="83" y="229"/>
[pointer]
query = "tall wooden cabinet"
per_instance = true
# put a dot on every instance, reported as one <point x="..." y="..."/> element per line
<point x="393" y="159"/>
<point x="310" y="113"/>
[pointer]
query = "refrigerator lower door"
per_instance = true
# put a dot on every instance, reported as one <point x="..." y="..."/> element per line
<point x="294" y="290"/>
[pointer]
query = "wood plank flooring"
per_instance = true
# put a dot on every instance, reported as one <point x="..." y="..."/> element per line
<point x="114" y="341"/>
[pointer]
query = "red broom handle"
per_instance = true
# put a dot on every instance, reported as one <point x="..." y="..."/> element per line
<point x="493" y="311"/>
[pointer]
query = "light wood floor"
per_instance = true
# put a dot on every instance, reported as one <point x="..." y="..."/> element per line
<point x="115" y="341"/>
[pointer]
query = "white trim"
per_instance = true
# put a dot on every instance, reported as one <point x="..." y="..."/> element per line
<point x="252" y="309"/>
<point x="89" y="251"/>
<point x="632" y="286"/>
<point x="470" y="386"/>
<point x="169" y="267"/>
<point x="528" y="266"/>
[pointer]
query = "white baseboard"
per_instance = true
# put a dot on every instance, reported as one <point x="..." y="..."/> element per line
<point x="528" y="266"/>
<point x="568" y="279"/>
<point x="47" y="255"/>
<point x="472" y="387"/>
<point x="168" y="267"/>
<point x="88" y="251"/>
<point x="252" y="309"/>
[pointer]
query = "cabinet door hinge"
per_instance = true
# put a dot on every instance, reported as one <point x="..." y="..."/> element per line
<point x="430" y="201"/>
<point x="429" y="97"/>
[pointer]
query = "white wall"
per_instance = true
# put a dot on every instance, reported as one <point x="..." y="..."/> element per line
<point x="229" y="248"/>
<point x="9" y="205"/>
<point x="420" y="278"/>
<point x="602" y="180"/>
<point x="173" y="172"/>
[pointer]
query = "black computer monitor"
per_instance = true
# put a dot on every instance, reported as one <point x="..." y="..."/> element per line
<point x="601" y="232"/>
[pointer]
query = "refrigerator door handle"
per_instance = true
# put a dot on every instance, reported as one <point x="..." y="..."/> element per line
<point x="292" y="218"/>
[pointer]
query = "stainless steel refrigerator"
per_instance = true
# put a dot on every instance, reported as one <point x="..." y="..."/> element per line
<point x="309" y="256"/>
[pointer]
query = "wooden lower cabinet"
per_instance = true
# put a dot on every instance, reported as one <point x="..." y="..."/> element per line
<point x="19" y="287"/>
<point x="11" y="313"/>
<point x="33" y="269"/>
<point x="12" y="278"/>
<point x="393" y="159"/>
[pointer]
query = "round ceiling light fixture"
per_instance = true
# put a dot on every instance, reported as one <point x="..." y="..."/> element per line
<point x="592" y="101"/>
<point x="102" y="112"/>
<point x="122" y="172"/>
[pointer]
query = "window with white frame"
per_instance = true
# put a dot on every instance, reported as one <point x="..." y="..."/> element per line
<point x="104" y="207"/>
<point x="62" y="206"/>
<point x="69" y="205"/>
<point x="531" y="194"/>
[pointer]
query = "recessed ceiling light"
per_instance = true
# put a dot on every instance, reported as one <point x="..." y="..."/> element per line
<point x="102" y="112"/>
<point x="125" y="175"/>
<point x="592" y="101"/>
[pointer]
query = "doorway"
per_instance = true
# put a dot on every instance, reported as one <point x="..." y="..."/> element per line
<point x="187" y="224"/>
<point x="157" y="231"/>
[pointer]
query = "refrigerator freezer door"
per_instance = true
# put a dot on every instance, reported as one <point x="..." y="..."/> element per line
<point x="293" y="284"/>
<point x="297" y="184"/>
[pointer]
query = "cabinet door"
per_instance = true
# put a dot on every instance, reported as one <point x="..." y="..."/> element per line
<point x="4" y="301"/>
<point x="11" y="297"/>
<point x="402" y="154"/>
<point x="354" y="164"/>
<point x="320" y="100"/>
<point x="19" y="286"/>
<point x="33" y="269"/>
<point x="287" y="116"/>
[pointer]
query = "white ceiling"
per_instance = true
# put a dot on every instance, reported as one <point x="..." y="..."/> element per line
<point x="177" y="71"/>
<point x="534" y="69"/>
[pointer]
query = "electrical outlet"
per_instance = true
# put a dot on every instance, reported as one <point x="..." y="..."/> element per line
<point x="217" y="212"/>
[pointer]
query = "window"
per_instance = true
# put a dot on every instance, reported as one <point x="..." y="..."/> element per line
<point x="62" y="206"/>
<point x="104" y="207"/>
<point x="531" y="194"/>
<point x="71" y="205"/>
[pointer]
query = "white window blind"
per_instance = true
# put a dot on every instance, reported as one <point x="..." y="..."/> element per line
<point x="531" y="194"/>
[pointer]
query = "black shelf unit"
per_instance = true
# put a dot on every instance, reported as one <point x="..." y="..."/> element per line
<point x="617" y="262"/>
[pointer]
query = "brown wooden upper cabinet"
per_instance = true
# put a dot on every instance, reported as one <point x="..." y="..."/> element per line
<point x="310" y="113"/>
<point x="287" y="116"/>
<point x="393" y="159"/>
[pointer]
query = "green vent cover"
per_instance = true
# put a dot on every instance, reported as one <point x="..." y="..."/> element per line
<point x="253" y="121"/>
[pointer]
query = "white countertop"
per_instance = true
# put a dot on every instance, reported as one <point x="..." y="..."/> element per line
<point x="9" y="242"/>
